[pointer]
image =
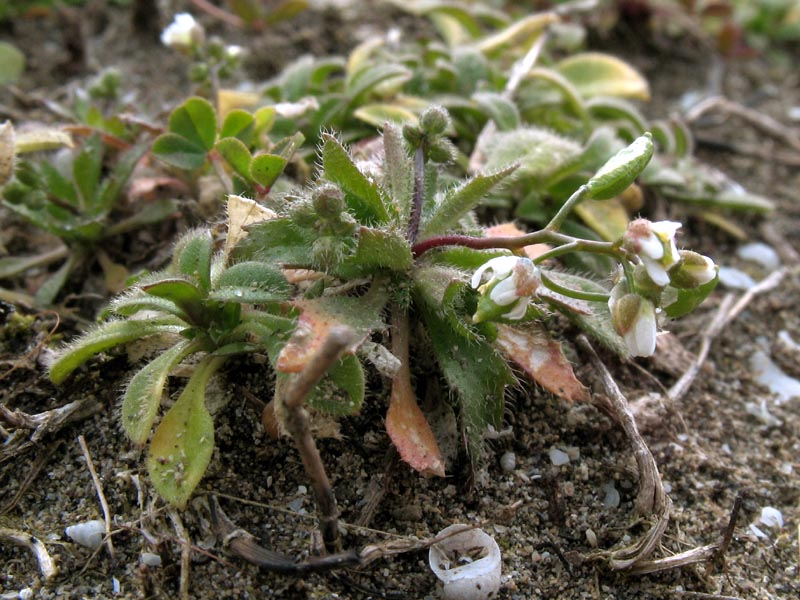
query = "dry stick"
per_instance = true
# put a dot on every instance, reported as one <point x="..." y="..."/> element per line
<point x="727" y="536"/>
<point x="290" y="400"/>
<point x="725" y="314"/>
<point x="99" y="487"/>
<point x="46" y="565"/>
<point x="186" y="553"/>
<point x="762" y="121"/>
<point x="651" y="498"/>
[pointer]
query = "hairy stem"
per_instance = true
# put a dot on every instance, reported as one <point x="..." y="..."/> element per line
<point x="419" y="193"/>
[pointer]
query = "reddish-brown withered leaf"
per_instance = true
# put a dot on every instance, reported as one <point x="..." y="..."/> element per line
<point x="409" y="429"/>
<point x="542" y="359"/>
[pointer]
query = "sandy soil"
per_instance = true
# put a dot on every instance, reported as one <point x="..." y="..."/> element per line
<point x="552" y="523"/>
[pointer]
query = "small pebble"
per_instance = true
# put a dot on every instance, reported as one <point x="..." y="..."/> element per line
<point x="151" y="559"/>
<point x="25" y="594"/>
<point x="611" y="499"/>
<point x="591" y="538"/>
<point x="769" y="374"/>
<point x="558" y="457"/>
<point x="508" y="462"/>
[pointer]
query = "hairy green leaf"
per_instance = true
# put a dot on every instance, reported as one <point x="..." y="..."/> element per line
<point x="183" y="443"/>
<point x="143" y="394"/>
<point x="192" y="256"/>
<point x="459" y="200"/>
<point x="341" y="391"/>
<point x="105" y="336"/>
<point x="251" y="282"/>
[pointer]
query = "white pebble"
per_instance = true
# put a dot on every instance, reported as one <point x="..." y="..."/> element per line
<point x="733" y="278"/>
<point x="611" y="499"/>
<point x="591" y="538"/>
<point x="151" y="559"/>
<point x="761" y="254"/>
<point x="761" y="412"/>
<point x="558" y="457"/>
<point x="769" y="374"/>
<point x="25" y="594"/>
<point x="771" y="517"/>
<point x="89" y="534"/>
<point x="508" y="462"/>
<point x="115" y="587"/>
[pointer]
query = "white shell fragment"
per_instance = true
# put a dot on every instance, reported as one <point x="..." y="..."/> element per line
<point x="508" y="462"/>
<point x="467" y="563"/>
<point x="771" y="517"/>
<point x="89" y="534"/>
<point x="611" y="499"/>
<point x="769" y="374"/>
<point x="761" y="254"/>
<point x="733" y="278"/>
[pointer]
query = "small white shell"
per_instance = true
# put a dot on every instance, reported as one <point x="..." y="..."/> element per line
<point x="150" y="559"/>
<point x="476" y="580"/>
<point x="89" y="534"/>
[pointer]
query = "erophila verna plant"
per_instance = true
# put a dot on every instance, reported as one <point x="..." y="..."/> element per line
<point x="380" y="247"/>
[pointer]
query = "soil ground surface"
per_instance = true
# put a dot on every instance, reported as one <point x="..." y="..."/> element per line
<point x="552" y="522"/>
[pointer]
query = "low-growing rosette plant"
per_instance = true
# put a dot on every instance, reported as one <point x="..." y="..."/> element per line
<point x="379" y="247"/>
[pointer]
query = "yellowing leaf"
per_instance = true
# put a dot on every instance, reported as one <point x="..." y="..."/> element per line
<point x="409" y="429"/>
<point x="510" y="230"/>
<point x="227" y="100"/>
<point x="42" y="139"/>
<point x="598" y="74"/>
<point x="608" y="218"/>
<point x="542" y="359"/>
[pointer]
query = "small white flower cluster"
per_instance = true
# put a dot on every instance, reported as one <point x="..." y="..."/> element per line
<point x="635" y="316"/>
<point x="183" y="33"/>
<point x="514" y="279"/>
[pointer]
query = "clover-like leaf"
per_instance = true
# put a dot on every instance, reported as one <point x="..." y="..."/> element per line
<point x="179" y="152"/>
<point x="235" y="154"/>
<point x="196" y="121"/>
<point x="266" y="168"/>
<point x="239" y="124"/>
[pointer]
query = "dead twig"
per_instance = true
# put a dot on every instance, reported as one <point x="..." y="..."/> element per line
<point x="290" y="396"/>
<point x="46" y="565"/>
<point x="42" y="423"/>
<point x="651" y="498"/>
<point x="756" y="118"/>
<point x="727" y="536"/>
<point x="245" y="546"/>
<point x="186" y="553"/>
<point x="99" y="488"/>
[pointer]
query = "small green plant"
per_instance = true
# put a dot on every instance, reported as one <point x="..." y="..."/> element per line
<point x="381" y="246"/>
<point x="72" y="198"/>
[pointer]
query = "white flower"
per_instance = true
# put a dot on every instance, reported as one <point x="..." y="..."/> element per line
<point x="513" y="281"/>
<point x="183" y="33"/>
<point x="654" y="244"/>
<point x="233" y="51"/>
<point x="634" y="318"/>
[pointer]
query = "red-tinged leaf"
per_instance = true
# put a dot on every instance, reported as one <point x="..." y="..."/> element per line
<point x="409" y="429"/>
<point x="542" y="358"/>
<point x="508" y="229"/>
<point x="317" y="318"/>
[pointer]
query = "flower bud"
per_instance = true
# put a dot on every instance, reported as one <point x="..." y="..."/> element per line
<point x="513" y="281"/>
<point x="654" y="244"/>
<point x="442" y="151"/>
<point x="634" y="318"/>
<point x="434" y="120"/>
<point x="413" y="135"/>
<point x="328" y="201"/>
<point x="692" y="271"/>
<point x="183" y="34"/>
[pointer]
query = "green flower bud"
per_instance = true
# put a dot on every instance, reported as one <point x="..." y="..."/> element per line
<point x="634" y="318"/>
<point x="328" y="201"/>
<point x="434" y="120"/>
<point x="412" y="134"/>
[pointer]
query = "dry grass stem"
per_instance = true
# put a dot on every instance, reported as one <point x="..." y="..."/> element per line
<point x="101" y="496"/>
<point x="186" y="553"/>
<point x="46" y="565"/>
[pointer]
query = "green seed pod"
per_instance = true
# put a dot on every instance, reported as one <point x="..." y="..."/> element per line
<point x="621" y="169"/>
<point x="328" y="201"/>
<point x="434" y="120"/>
